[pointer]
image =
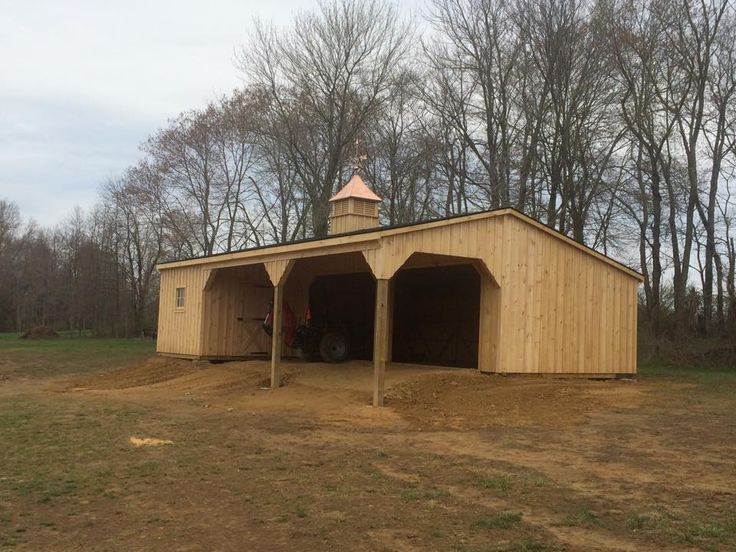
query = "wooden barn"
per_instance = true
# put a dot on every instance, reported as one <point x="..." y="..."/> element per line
<point x="497" y="291"/>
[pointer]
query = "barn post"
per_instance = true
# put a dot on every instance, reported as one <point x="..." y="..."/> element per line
<point x="381" y="338"/>
<point x="278" y="271"/>
<point x="277" y="337"/>
<point x="390" y="322"/>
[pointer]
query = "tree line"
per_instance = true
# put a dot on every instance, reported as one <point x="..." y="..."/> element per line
<point x="611" y="121"/>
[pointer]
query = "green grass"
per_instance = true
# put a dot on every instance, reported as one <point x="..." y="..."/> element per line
<point x="501" y="483"/>
<point x="691" y="374"/>
<point x="694" y="530"/>
<point x="417" y="493"/>
<point x="538" y="480"/>
<point x="582" y="517"/>
<point x="637" y="522"/>
<point x="505" y="520"/>
<point x="68" y="354"/>
<point x="527" y="545"/>
<point x="708" y="530"/>
<point x="47" y="445"/>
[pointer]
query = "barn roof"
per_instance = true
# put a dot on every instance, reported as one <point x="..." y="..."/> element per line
<point x="381" y="231"/>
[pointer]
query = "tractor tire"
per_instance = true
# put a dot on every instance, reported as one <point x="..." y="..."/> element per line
<point x="334" y="347"/>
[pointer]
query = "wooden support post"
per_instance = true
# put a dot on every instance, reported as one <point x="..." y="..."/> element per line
<point x="277" y="338"/>
<point x="381" y="337"/>
<point x="390" y="315"/>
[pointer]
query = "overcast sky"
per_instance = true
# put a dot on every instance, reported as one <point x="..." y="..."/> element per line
<point x="83" y="83"/>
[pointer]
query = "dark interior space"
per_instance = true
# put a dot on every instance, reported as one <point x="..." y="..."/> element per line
<point x="436" y="316"/>
<point x="346" y="303"/>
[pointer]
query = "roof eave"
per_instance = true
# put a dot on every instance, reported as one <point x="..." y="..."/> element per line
<point x="372" y="234"/>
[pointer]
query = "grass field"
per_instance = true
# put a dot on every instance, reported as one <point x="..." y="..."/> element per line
<point x="457" y="461"/>
<point x="69" y="354"/>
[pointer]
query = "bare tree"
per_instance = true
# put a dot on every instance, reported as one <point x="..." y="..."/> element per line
<point x="478" y="45"/>
<point x="277" y="207"/>
<point x="326" y="74"/>
<point x="9" y="222"/>
<point x="401" y="154"/>
<point x="204" y="159"/>
<point x="636" y="36"/>
<point x="139" y="221"/>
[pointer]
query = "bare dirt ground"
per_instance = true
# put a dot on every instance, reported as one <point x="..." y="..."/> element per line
<point x="176" y="455"/>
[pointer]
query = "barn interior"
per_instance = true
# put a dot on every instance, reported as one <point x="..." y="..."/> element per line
<point x="333" y="293"/>
<point x="435" y="314"/>
<point x="235" y="302"/>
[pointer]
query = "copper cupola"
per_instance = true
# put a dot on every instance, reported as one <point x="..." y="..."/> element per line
<point x="354" y="207"/>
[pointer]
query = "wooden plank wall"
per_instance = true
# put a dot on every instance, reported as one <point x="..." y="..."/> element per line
<point x="209" y="325"/>
<point x="558" y="309"/>
<point x="562" y="310"/>
<point x="489" y="326"/>
<point x="235" y="304"/>
<point x="550" y="308"/>
<point x="179" y="329"/>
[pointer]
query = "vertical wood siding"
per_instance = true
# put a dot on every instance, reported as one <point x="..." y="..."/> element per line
<point x="235" y="304"/>
<point x="547" y="306"/>
<point x="179" y="330"/>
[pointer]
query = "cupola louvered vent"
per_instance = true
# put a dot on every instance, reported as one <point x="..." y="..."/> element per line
<point x="354" y="207"/>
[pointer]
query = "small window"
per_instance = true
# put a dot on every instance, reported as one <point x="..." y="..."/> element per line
<point x="181" y="296"/>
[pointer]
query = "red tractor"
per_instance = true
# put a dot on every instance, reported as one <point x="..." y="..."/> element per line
<point x="337" y="324"/>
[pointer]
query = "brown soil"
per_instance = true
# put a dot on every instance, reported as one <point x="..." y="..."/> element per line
<point x="428" y="398"/>
<point x="468" y="400"/>
<point x="456" y="461"/>
<point x="151" y="372"/>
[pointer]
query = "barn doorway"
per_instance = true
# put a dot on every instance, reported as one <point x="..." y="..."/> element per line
<point x="345" y="303"/>
<point x="234" y="303"/>
<point x="333" y="299"/>
<point x="436" y="315"/>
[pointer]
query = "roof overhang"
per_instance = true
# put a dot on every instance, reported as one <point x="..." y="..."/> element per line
<point x="363" y="240"/>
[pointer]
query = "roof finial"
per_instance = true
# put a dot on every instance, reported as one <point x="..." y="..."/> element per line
<point x="358" y="158"/>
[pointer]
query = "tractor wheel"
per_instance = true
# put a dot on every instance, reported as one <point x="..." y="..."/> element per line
<point x="333" y="347"/>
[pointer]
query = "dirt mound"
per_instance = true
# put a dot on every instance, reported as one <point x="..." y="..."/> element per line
<point x="470" y="400"/>
<point x="429" y="398"/>
<point x="228" y="379"/>
<point x="154" y="370"/>
<point x="163" y="373"/>
<point x="40" y="332"/>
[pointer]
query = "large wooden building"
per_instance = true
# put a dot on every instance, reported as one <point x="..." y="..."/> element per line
<point x="495" y="290"/>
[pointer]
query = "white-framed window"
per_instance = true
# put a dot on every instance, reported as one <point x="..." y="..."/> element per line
<point x="181" y="297"/>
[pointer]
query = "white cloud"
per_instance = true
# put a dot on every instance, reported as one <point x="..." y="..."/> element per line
<point x="84" y="82"/>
